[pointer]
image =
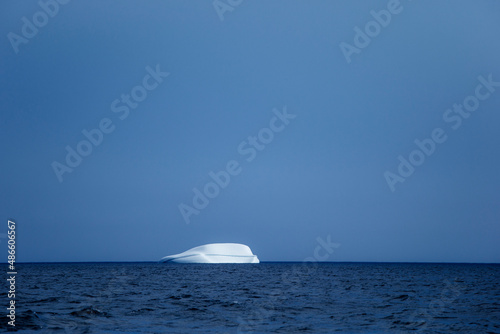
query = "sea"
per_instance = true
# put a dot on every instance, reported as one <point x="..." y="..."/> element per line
<point x="272" y="297"/>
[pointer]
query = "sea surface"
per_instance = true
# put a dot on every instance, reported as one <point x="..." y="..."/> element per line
<point x="258" y="298"/>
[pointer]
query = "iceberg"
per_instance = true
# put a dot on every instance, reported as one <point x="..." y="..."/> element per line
<point x="214" y="253"/>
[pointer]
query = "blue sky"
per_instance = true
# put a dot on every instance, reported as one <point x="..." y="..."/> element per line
<point x="323" y="174"/>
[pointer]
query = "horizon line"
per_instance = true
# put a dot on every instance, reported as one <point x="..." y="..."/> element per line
<point x="373" y="262"/>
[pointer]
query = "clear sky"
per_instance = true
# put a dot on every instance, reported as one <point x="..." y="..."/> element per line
<point x="309" y="115"/>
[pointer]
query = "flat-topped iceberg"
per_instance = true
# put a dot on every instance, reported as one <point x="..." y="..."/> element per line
<point x="215" y="253"/>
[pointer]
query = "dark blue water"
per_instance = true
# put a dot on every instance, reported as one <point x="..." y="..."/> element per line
<point x="266" y="297"/>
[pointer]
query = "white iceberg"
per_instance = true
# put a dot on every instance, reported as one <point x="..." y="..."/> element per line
<point x="215" y="253"/>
